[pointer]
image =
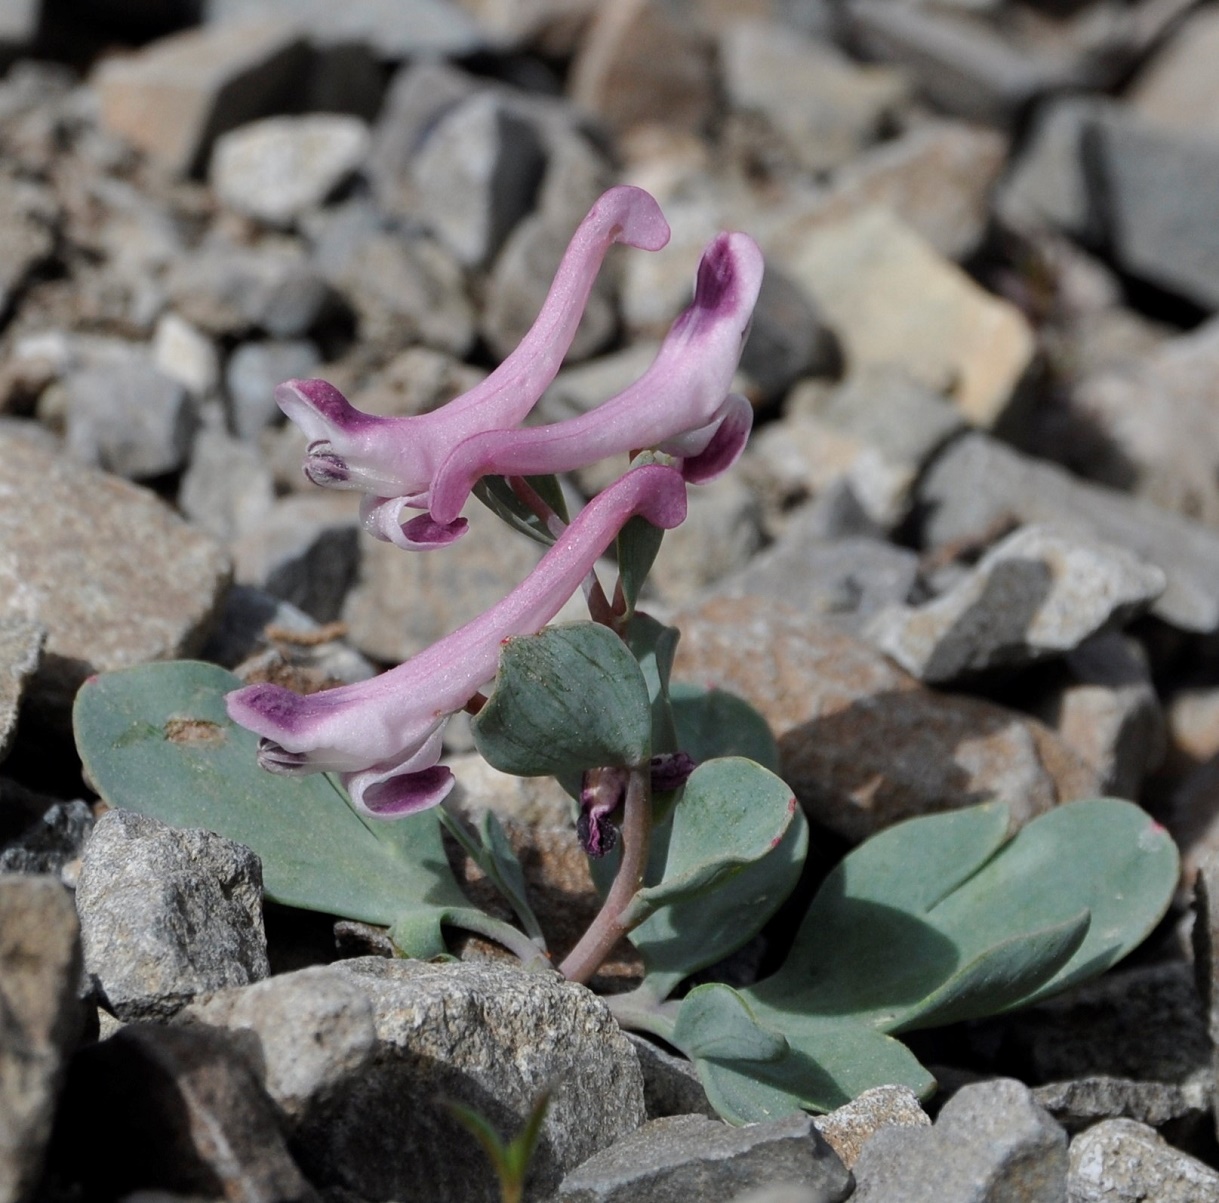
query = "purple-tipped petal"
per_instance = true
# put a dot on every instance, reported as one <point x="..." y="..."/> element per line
<point x="680" y="399"/>
<point x="382" y="518"/>
<point x="726" y="443"/>
<point x="602" y="792"/>
<point x="670" y="770"/>
<point x="398" y="797"/>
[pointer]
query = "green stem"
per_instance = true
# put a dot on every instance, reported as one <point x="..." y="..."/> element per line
<point x="642" y="1010"/>
<point x="608" y="927"/>
<point x="514" y="940"/>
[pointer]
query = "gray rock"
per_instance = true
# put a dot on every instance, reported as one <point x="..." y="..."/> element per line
<point x="21" y="643"/>
<point x="991" y="1142"/>
<point x="309" y="1033"/>
<point x="824" y="105"/>
<point x="691" y="1157"/>
<point x="306" y="550"/>
<point x="1121" y="1161"/>
<point x="486" y="1035"/>
<point x="276" y="169"/>
<point x="964" y="66"/>
<point x="186" y="355"/>
<point x="1206" y="951"/>
<point x="227" y="289"/>
<point x="578" y="389"/>
<point x="862" y="743"/>
<point x="101" y="610"/>
<point x="976" y="484"/>
<point x="1159" y="192"/>
<point x="1146" y="1023"/>
<point x="848" y="1129"/>
<point x="1080" y="1103"/>
<point x="1109" y="712"/>
<point x="27" y="235"/>
<point x="402" y="603"/>
<point x="39" y="972"/>
<point x="475" y="175"/>
<point x="174" y="97"/>
<point x="228" y="489"/>
<point x="404" y="288"/>
<point x="417" y="380"/>
<point x="167" y="915"/>
<point x="671" y="1084"/>
<point x="251" y="375"/>
<point x="185" y="1116"/>
<point x="719" y="537"/>
<point x="1177" y="87"/>
<point x="391" y="29"/>
<point x="128" y="418"/>
<point x="19" y="23"/>
<point x="1040" y="592"/>
<point x="52" y="843"/>
<point x="788" y="338"/>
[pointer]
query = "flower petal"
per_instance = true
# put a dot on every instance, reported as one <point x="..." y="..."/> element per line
<point x="382" y="518"/>
<point x="726" y="444"/>
<point x="399" y="796"/>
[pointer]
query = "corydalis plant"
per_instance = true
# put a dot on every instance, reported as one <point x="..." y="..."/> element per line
<point x="693" y="839"/>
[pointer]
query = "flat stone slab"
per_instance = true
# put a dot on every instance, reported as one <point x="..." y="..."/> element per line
<point x="114" y="576"/>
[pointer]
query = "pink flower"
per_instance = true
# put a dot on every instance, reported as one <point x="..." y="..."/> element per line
<point x="682" y="404"/>
<point x="393" y="460"/>
<point x="384" y="736"/>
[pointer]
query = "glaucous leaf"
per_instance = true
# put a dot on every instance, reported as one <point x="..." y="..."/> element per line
<point x="498" y="495"/>
<point x="714" y="722"/>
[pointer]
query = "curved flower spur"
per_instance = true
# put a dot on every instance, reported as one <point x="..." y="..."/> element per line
<point x="384" y="736"/>
<point x="393" y="460"/>
<point x="681" y="405"/>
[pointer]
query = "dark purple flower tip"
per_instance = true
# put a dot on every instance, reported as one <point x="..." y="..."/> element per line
<point x="602" y="792"/>
<point x="670" y="770"/>
<point x="303" y="400"/>
<point x="726" y="444"/>
<point x="397" y="797"/>
<point x="276" y="759"/>
<point x="424" y="533"/>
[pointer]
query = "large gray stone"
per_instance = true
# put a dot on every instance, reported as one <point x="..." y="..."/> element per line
<point x="167" y="915"/>
<point x="1081" y="1102"/>
<point x="486" y="1035"/>
<point x="131" y="583"/>
<point x="252" y="373"/>
<point x="692" y="1157"/>
<point x="991" y="1143"/>
<point x="41" y="1020"/>
<point x="976" y="484"/>
<point x="51" y="841"/>
<point x="848" y="1128"/>
<point x="1122" y="1161"/>
<point x="227" y="489"/>
<point x="1040" y="592"/>
<point x="21" y="643"/>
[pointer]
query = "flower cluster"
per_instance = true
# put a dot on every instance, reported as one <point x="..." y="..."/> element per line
<point x="384" y="736"/>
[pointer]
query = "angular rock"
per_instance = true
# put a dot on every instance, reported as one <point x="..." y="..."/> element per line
<point x="1206" y="952"/>
<point x="825" y="107"/>
<point x="101" y="609"/>
<point x="862" y="744"/>
<point x="1109" y="712"/>
<point x="1121" y="1161"/>
<point x="692" y="1157"/>
<point x="849" y="1128"/>
<point x="671" y="1084"/>
<point x="1158" y="189"/>
<point x="228" y="289"/>
<point x="638" y="63"/>
<point x="486" y="1035"/>
<point x="253" y="371"/>
<point x="476" y="175"/>
<point x="174" y="97"/>
<point x="937" y="177"/>
<point x="276" y="169"/>
<point x="39" y="972"/>
<point x="186" y="355"/>
<point x="1157" y="424"/>
<point x="977" y="484"/>
<point x="27" y="235"/>
<point x="21" y="643"/>
<point x="227" y="490"/>
<point x="417" y="380"/>
<point x="167" y="914"/>
<point x="1193" y="817"/>
<point x="788" y="339"/>
<point x="401" y="603"/>
<point x="129" y="419"/>
<point x="1177" y="87"/>
<point x="308" y="1033"/>
<point x="1040" y="592"/>
<point x="185" y="1115"/>
<point x="1146" y="1023"/>
<point x="304" y="549"/>
<point x="892" y="300"/>
<point x="1082" y="1102"/>
<point x="51" y="842"/>
<point x="991" y="1142"/>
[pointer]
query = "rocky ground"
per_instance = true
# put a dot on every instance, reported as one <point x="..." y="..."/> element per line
<point x="972" y="550"/>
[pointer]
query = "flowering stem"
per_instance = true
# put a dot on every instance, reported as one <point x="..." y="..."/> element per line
<point x="608" y="927"/>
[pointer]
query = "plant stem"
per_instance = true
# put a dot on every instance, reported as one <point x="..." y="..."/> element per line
<point x="514" y="940"/>
<point x="607" y="928"/>
<point x="533" y="499"/>
<point x="642" y="1011"/>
